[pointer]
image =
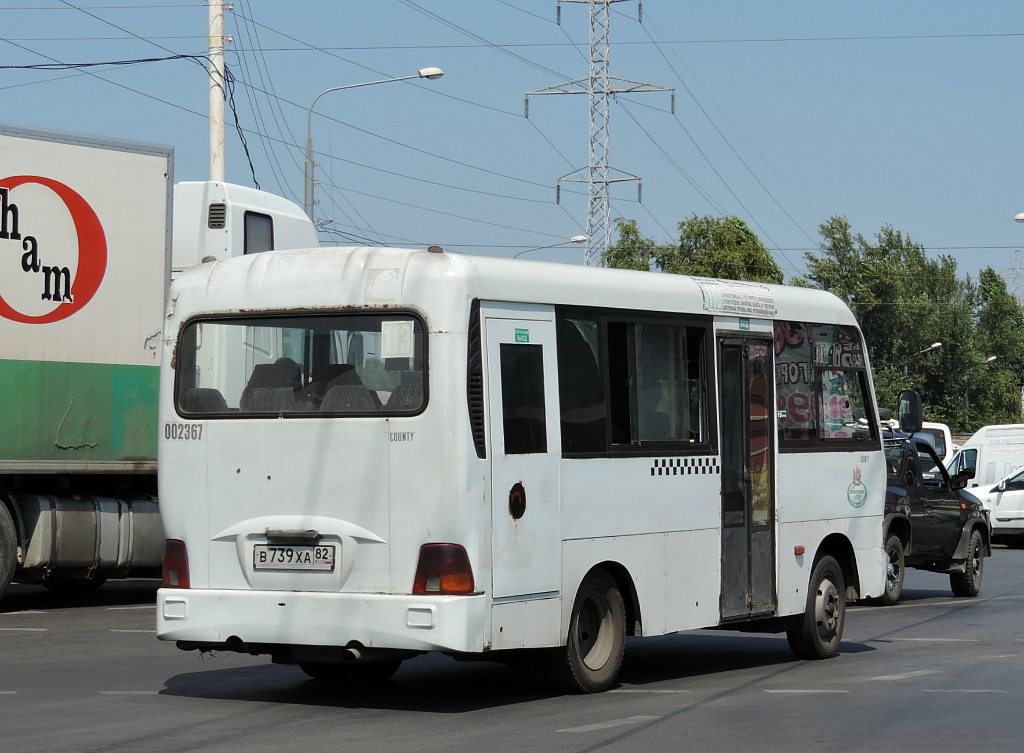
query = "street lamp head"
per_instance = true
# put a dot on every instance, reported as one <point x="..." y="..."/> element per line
<point x="933" y="346"/>
<point x="436" y="73"/>
<point x="990" y="359"/>
<point x="578" y="239"/>
<point x="1019" y="217"/>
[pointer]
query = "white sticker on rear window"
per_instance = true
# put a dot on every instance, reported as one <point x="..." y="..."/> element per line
<point x="397" y="339"/>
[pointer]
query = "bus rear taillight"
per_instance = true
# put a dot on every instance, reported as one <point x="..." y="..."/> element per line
<point x="175" y="564"/>
<point x="443" y="569"/>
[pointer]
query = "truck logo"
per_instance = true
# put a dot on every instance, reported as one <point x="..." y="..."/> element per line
<point x="54" y="282"/>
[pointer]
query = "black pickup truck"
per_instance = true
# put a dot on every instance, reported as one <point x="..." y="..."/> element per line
<point x="929" y="524"/>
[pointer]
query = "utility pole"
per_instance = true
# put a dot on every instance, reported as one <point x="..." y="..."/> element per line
<point x="217" y="98"/>
<point x="598" y="175"/>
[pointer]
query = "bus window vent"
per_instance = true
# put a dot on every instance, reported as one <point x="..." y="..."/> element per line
<point x="475" y="382"/>
<point x="218" y="216"/>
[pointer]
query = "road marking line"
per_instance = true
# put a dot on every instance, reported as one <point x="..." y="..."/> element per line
<point x="642" y="690"/>
<point x="936" y="640"/>
<point x="129" y="692"/>
<point x="23" y="630"/>
<point x="609" y="725"/>
<point x="24" y="611"/>
<point x="966" y="691"/>
<point x="144" y="606"/>
<point x="904" y="676"/>
<point x="1002" y="656"/>
<point x="8" y="692"/>
<point x="115" y="630"/>
<point x="807" y="691"/>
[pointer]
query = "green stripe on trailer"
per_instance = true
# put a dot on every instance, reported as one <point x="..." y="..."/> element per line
<point x="53" y="410"/>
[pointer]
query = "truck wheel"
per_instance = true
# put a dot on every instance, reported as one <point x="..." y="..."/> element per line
<point x="590" y="660"/>
<point x="968" y="583"/>
<point x="352" y="673"/>
<point x="8" y="549"/>
<point x="894" y="571"/>
<point x="816" y="635"/>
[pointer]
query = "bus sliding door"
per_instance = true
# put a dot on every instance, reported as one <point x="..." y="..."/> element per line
<point x="748" y="501"/>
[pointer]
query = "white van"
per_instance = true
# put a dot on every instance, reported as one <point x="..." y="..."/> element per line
<point x="993" y="451"/>
<point x="940" y="438"/>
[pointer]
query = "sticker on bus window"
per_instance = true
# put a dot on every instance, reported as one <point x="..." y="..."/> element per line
<point x="397" y="339"/>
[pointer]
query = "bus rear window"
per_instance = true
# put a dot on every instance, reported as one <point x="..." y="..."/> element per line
<point x="353" y="364"/>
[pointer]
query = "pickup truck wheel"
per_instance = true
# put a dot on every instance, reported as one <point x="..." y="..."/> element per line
<point x="817" y="634"/>
<point x="968" y="583"/>
<point x="8" y="549"/>
<point x="894" y="571"/>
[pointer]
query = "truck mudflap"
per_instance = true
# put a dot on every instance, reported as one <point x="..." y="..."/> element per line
<point x="89" y="533"/>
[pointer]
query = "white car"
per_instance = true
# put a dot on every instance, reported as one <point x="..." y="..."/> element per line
<point x="1005" y="503"/>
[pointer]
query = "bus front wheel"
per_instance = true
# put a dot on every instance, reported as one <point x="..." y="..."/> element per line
<point x="816" y="634"/>
<point x="590" y="660"/>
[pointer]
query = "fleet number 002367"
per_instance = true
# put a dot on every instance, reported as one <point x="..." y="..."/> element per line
<point x="183" y="431"/>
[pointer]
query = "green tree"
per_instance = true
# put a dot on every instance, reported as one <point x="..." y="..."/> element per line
<point x="905" y="301"/>
<point x="708" y="247"/>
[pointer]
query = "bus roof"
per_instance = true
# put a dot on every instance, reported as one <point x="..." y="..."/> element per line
<point x="369" y="277"/>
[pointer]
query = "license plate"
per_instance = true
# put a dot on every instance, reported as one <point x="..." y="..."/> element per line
<point x="272" y="557"/>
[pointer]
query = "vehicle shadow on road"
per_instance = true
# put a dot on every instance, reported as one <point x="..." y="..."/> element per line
<point x="21" y="597"/>
<point x="438" y="684"/>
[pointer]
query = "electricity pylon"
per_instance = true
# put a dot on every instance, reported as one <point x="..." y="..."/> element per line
<point x="599" y="85"/>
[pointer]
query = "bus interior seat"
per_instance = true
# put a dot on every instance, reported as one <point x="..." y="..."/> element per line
<point x="203" y="400"/>
<point x="269" y="389"/>
<point x="350" y="398"/>
<point x="406" y="398"/>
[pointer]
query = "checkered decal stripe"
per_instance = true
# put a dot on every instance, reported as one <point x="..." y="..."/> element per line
<point x="685" y="466"/>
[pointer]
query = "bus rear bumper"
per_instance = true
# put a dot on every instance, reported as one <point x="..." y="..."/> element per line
<point x="286" y="618"/>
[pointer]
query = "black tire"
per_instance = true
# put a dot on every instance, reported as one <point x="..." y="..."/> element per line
<point x="592" y="656"/>
<point x="74" y="588"/>
<point x="817" y="634"/>
<point x="968" y="583"/>
<point x="8" y="549"/>
<point x="352" y="673"/>
<point x="895" y="571"/>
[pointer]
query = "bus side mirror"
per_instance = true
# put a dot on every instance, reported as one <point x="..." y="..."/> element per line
<point x="911" y="415"/>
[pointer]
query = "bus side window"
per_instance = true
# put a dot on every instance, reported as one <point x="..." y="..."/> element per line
<point x="522" y="399"/>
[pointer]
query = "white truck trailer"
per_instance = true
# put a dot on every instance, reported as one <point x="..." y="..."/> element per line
<point x="86" y="258"/>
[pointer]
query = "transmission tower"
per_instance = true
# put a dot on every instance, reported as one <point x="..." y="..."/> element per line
<point x="599" y="85"/>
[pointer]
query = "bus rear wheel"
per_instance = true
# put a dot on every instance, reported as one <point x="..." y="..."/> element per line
<point x="592" y="656"/>
<point x="817" y="634"/>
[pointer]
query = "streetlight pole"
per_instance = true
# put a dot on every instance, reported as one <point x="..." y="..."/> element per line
<point x="574" y="239"/>
<point x="967" y="386"/>
<point x="427" y="73"/>
<point x="933" y="346"/>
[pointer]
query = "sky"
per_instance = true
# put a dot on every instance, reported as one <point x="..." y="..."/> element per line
<point x="889" y="113"/>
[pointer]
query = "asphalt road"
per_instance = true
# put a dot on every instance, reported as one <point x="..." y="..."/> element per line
<point x="934" y="673"/>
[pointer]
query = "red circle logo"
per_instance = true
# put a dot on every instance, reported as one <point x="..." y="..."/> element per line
<point x="92" y="252"/>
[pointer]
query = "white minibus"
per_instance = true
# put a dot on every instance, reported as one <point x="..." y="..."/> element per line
<point x="370" y="453"/>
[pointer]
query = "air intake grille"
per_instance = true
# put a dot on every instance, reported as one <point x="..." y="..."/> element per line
<point x="475" y="382"/>
<point x="218" y="216"/>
